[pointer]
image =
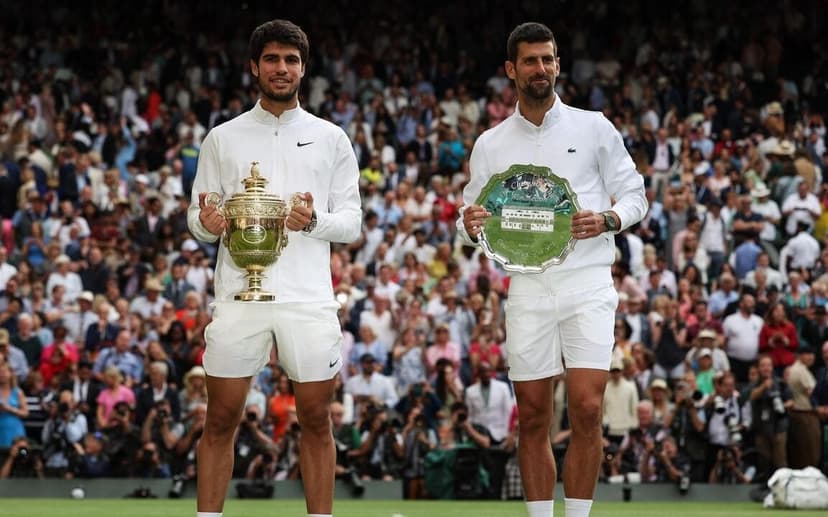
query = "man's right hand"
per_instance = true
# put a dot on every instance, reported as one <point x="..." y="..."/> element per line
<point x="210" y="217"/>
<point x="473" y="218"/>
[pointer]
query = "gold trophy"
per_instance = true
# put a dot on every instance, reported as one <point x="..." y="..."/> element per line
<point x="255" y="234"/>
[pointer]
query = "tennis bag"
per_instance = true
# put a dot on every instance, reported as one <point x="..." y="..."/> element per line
<point x="805" y="489"/>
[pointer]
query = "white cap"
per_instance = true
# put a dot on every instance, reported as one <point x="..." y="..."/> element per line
<point x="189" y="245"/>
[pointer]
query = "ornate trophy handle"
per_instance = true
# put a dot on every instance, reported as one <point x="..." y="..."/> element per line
<point x="297" y="199"/>
<point x="214" y="199"/>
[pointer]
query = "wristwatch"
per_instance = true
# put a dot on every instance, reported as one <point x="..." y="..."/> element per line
<point x="609" y="222"/>
<point x="312" y="224"/>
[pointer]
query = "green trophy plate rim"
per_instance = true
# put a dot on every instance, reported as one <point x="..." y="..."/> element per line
<point x="497" y="179"/>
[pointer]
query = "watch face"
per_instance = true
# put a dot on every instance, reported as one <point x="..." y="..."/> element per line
<point x="609" y="221"/>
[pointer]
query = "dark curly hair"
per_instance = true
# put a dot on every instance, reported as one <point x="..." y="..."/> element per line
<point x="280" y="31"/>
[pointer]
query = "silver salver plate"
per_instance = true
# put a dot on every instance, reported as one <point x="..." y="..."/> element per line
<point x="530" y="228"/>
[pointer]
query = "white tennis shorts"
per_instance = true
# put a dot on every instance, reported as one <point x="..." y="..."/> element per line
<point x="307" y="336"/>
<point x="557" y="320"/>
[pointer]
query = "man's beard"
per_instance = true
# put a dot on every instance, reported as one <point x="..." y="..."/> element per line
<point x="266" y="91"/>
<point x="538" y="93"/>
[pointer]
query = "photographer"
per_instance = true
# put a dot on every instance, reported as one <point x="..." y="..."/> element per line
<point x="92" y="461"/>
<point x="123" y="439"/>
<point x="161" y="429"/>
<point x="418" y="440"/>
<point x="22" y="461"/>
<point x="287" y="450"/>
<point x="346" y="438"/>
<point x="85" y="390"/>
<point x="686" y="425"/>
<point x="724" y="416"/>
<point x="150" y="464"/>
<point x="631" y="450"/>
<point x="251" y="441"/>
<point x="381" y="451"/>
<point x="65" y="427"/>
<point x="770" y="400"/>
<point x="421" y="395"/>
<point x="185" y="449"/>
<point x="728" y="469"/>
<point x="664" y="462"/>
<point x="462" y="431"/>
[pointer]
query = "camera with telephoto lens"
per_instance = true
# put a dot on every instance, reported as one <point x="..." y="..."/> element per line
<point x="352" y="479"/>
<point x="350" y="476"/>
<point x="734" y="429"/>
<point x="163" y="414"/>
<point x="121" y="409"/>
<point x="776" y="399"/>
<point x="462" y="416"/>
<point x="610" y="451"/>
<point x="719" y="405"/>
<point x="684" y="484"/>
<point x="177" y="487"/>
<point x="146" y="455"/>
<point x="252" y="417"/>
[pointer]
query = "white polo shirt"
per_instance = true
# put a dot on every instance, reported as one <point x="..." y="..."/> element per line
<point x="581" y="146"/>
<point x="297" y="152"/>
<point x="742" y="334"/>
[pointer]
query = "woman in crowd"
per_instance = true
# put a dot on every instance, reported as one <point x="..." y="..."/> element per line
<point x="195" y="390"/>
<point x="114" y="393"/>
<point x="797" y="296"/>
<point x="177" y="346"/>
<point x="190" y="314"/>
<point x="408" y="356"/>
<point x="778" y="338"/>
<point x="281" y="403"/>
<point x="58" y="357"/>
<point x="34" y="248"/>
<point x="669" y="341"/>
<point x="659" y="393"/>
<point x="485" y="348"/>
<point x="447" y="386"/>
<point x="13" y="407"/>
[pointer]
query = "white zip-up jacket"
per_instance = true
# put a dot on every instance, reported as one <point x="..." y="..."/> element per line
<point x="581" y="146"/>
<point x="297" y="152"/>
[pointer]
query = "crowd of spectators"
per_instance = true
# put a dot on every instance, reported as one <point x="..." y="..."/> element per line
<point x="721" y="330"/>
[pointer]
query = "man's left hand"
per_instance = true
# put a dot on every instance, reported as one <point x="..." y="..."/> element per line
<point x="300" y="214"/>
<point x="587" y="224"/>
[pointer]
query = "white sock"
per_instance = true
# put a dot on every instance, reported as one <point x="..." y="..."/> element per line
<point x="540" y="508"/>
<point x="208" y="514"/>
<point x="577" y="507"/>
<point x="319" y="515"/>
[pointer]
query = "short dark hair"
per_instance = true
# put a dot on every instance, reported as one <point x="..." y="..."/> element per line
<point x="529" y="32"/>
<point x="280" y="31"/>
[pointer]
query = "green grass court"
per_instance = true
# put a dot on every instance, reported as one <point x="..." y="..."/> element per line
<point x="293" y="507"/>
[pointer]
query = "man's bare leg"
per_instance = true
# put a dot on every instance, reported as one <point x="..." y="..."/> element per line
<point x="317" y="453"/>
<point x="225" y="404"/>
<point x="537" y="463"/>
<point x="585" y="395"/>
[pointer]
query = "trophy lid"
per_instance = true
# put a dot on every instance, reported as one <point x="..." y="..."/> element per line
<point x="254" y="199"/>
<point x="255" y="182"/>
